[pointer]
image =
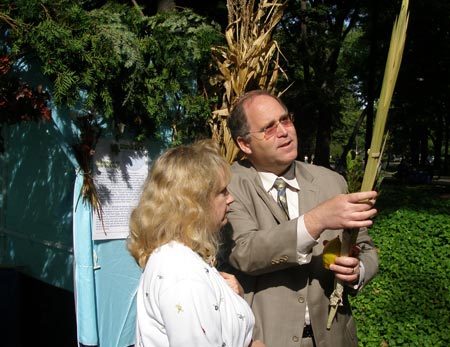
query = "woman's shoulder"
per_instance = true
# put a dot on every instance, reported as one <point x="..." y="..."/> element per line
<point x="171" y="253"/>
<point x="174" y="259"/>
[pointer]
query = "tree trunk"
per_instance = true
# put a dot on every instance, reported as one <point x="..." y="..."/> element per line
<point x="165" y="5"/>
<point x="323" y="138"/>
<point x="371" y="78"/>
<point x="437" y="143"/>
<point x="447" y="157"/>
<point x="423" y="146"/>
<point x="414" y="145"/>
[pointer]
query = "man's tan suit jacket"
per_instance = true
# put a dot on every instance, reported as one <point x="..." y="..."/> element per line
<point x="262" y="247"/>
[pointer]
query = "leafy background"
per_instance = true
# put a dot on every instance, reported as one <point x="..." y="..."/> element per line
<point x="407" y="304"/>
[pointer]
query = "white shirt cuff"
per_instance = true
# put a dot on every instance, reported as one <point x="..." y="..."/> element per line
<point x="305" y="242"/>
<point x="362" y="275"/>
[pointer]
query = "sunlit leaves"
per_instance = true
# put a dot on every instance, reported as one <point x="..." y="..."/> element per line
<point x="407" y="304"/>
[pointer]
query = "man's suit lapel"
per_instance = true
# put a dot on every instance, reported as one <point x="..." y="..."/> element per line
<point x="276" y="211"/>
<point x="308" y="196"/>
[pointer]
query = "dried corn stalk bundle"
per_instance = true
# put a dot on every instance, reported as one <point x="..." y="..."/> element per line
<point x="249" y="61"/>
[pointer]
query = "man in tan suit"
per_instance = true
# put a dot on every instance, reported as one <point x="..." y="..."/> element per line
<point x="276" y="253"/>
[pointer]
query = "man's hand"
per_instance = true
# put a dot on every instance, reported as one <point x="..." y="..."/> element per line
<point x="346" y="269"/>
<point x="343" y="211"/>
<point x="233" y="283"/>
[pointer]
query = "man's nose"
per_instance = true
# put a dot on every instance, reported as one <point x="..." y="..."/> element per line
<point x="281" y="130"/>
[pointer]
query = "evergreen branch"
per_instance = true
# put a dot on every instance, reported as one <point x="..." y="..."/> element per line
<point x="136" y="5"/>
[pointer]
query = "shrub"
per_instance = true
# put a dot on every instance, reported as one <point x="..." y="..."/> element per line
<point x="408" y="302"/>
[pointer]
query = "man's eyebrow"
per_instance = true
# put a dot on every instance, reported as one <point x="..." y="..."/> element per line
<point x="276" y="120"/>
<point x="270" y="123"/>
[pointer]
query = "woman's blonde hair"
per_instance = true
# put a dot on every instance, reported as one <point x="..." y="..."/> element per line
<point x="175" y="204"/>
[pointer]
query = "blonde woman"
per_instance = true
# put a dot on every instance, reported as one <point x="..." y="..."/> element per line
<point x="182" y="299"/>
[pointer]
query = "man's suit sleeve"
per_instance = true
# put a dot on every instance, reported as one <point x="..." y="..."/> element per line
<point x="368" y="256"/>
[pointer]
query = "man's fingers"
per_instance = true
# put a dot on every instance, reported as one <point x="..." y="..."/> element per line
<point x="362" y="196"/>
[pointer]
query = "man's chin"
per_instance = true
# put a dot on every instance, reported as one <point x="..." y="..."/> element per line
<point x="291" y="147"/>
<point x="288" y="156"/>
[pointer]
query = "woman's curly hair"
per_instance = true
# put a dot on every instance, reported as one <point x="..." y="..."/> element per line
<point x="175" y="204"/>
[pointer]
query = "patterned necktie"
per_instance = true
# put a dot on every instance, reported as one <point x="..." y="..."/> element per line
<point x="280" y="186"/>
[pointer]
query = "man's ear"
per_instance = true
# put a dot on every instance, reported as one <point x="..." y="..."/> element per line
<point x="244" y="145"/>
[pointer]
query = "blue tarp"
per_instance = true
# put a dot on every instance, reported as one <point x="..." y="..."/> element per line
<point x="46" y="230"/>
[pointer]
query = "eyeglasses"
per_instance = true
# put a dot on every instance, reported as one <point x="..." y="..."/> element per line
<point x="286" y="121"/>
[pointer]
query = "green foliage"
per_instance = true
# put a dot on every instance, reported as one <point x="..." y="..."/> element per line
<point x="149" y="73"/>
<point x="177" y="72"/>
<point x="351" y="111"/>
<point x="355" y="172"/>
<point x="408" y="302"/>
<point x="313" y="39"/>
<point x="82" y="52"/>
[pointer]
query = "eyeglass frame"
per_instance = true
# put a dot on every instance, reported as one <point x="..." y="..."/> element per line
<point x="290" y="122"/>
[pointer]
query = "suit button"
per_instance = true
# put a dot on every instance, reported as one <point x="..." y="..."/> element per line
<point x="295" y="338"/>
<point x="301" y="299"/>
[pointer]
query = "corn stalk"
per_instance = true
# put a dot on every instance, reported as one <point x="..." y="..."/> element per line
<point x="377" y="143"/>
<point x="249" y="61"/>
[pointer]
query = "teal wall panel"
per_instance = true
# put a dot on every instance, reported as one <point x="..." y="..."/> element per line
<point x="36" y="209"/>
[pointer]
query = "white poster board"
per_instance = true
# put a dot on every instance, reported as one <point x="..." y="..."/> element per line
<point x="120" y="169"/>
